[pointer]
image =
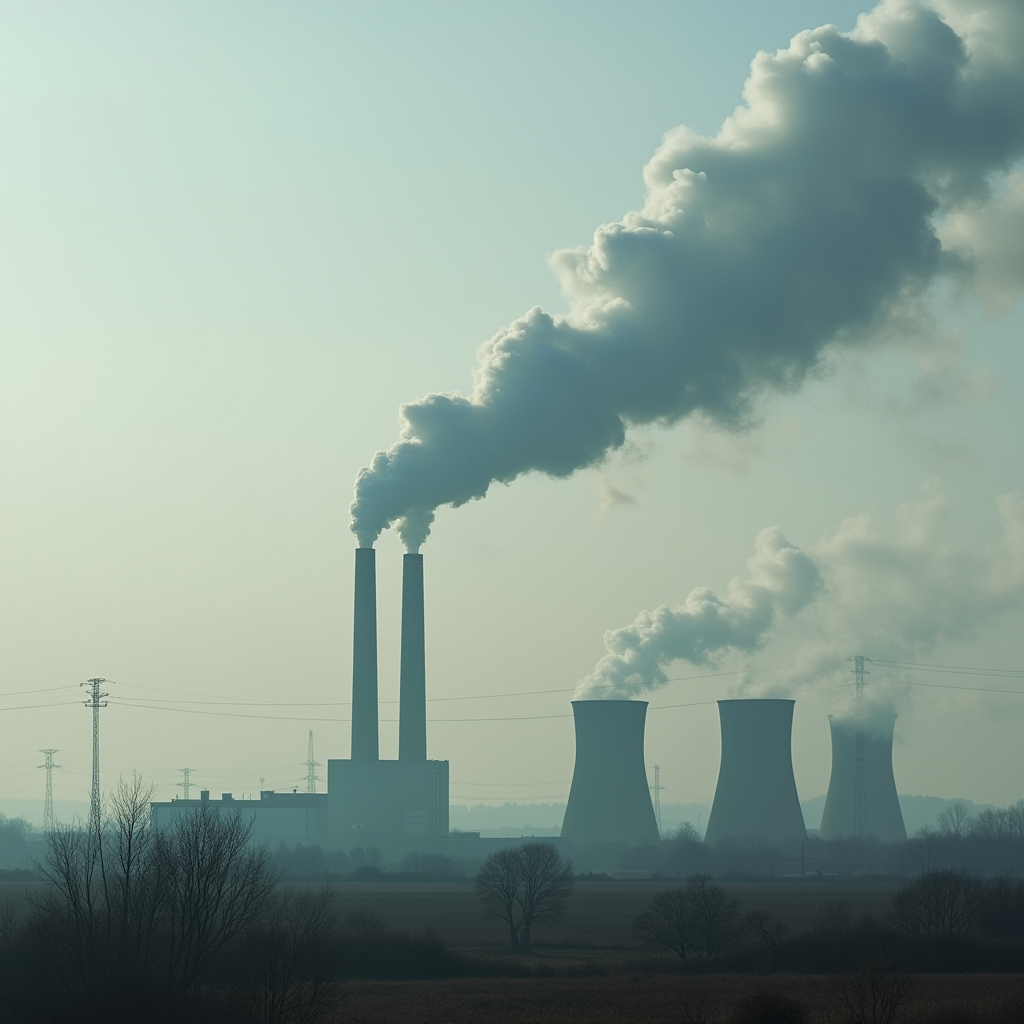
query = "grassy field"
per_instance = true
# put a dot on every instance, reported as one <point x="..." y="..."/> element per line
<point x="600" y="913"/>
<point x="945" y="999"/>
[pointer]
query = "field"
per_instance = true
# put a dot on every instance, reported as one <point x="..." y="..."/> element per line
<point x="945" y="999"/>
<point x="600" y="913"/>
<point x="588" y="968"/>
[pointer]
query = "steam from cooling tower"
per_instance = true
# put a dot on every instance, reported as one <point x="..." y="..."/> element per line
<point x="782" y="579"/>
<point x="811" y="220"/>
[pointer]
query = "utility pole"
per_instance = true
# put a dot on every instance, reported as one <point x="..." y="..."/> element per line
<point x="186" y="784"/>
<point x="48" y="801"/>
<point x="860" y="815"/>
<point x="311" y="766"/>
<point x="95" y="702"/>
<point x="656" y="789"/>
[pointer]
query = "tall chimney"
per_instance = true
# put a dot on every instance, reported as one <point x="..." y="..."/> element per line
<point x="412" y="687"/>
<point x="365" y="736"/>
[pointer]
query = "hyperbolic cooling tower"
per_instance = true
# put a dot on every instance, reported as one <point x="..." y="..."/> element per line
<point x="883" y="817"/>
<point x="365" y="736"/>
<point x="412" y="689"/>
<point x="756" y="794"/>
<point x="609" y="801"/>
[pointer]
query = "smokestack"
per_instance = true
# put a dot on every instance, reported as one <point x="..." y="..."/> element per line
<point x="882" y="813"/>
<point x="609" y="801"/>
<point x="756" y="793"/>
<point x="412" y="689"/>
<point x="365" y="737"/>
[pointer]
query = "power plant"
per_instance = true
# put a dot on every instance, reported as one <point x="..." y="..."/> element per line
<point x="370" y="799"/>
<point x="403" y="803"/>
<point x="756" y="794"/>
<point x="609" y="801"/>
<point x="883" y="818"/>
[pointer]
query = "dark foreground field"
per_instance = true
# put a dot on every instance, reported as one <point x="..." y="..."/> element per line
<point x="936" y="999"/>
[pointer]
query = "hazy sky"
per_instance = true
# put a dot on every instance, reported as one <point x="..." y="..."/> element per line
<point x="235" y="238"/>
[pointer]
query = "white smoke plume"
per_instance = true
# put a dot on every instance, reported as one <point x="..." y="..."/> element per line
<point x="892" y="594"/>
<point x="808" y="221"/>
<point x="782" y="579"/>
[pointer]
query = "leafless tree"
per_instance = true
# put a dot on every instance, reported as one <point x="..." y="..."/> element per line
<point x="8" y="919"/>
<point x="665" y="925"/>
<point x="714" y="914"/>
<point x="547" y="883"/>
<point x="523" y="886"/>
<point x="944" y="902"/>
<point x="955" y="820"/>
<point x="767" y="927"/>
<point x="290" y="954"/>
<point x="214" y="885"/>
<point x="697" y="1003"/>
<point x="497" y="886"/>
<point x="875" y="991"/>
<point x="131" y="910"/>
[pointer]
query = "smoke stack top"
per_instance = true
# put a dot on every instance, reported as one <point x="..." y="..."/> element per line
<point x="810" y="221"/>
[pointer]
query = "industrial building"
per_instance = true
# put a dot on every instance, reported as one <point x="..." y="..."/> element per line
<point x="756" y="794"/>
<point x="275" y="817"/>
<point x="882" y="817"/>
<point x="609" y="801"/>
<point x="374" y="800"/>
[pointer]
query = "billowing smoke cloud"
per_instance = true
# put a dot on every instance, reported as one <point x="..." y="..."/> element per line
<point x="782" y="579"/>
<point x="808" y="221"/>
<point x="894" y="595"/>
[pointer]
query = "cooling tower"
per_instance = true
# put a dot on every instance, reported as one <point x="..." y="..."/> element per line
<point x="365" y="740"/>
<point x="756" y="793"/>
<point x="412" y="690"/>
<point x="609" y="801"/>
<point x="883" y="817"/>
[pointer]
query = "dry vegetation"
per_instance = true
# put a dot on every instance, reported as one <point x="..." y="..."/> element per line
<point x="946" y="999"/>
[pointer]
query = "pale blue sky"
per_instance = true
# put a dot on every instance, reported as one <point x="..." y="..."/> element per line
<point x="236" y="237"/>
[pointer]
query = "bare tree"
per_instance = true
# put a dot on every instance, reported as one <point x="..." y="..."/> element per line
<point x="523" y="886"/>
<point x="767" y="927"/>
<point x="955" y="820"/>
<point x="664" y="927"/>
<point x="944" y="902"/>
<point x="875" y="991"/>
<point x="547" y="883"/>
<point x="713" y="914"/>
<point x="132" y="911"/>
<point x="214" y="883"/>
<point x="8" y="919"/>
<point x="497" y="886"/>
<point x="290" y="952"/>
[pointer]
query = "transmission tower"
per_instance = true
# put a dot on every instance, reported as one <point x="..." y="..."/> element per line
<point x="186" y="784"/>
<point x="311" y="766"/>
<point x="860" y="816"/>
<point x="95" y="702"/>
<point x="656" y="790"/>
<point x="48" y="801"/>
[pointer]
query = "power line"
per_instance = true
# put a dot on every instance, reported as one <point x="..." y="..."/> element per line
<point x="930" y="667"/>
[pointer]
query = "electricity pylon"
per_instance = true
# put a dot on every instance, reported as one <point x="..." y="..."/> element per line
<point x="95" y="702"/>
<point x="48" y="801"/>
<point x="311" y="766"/>
<point x="860" y="811"/>
<point x="656" y="790"/>
<point x="186" y="785"/>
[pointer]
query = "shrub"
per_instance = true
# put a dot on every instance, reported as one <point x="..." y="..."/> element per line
<point x="768" y="1007"/>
